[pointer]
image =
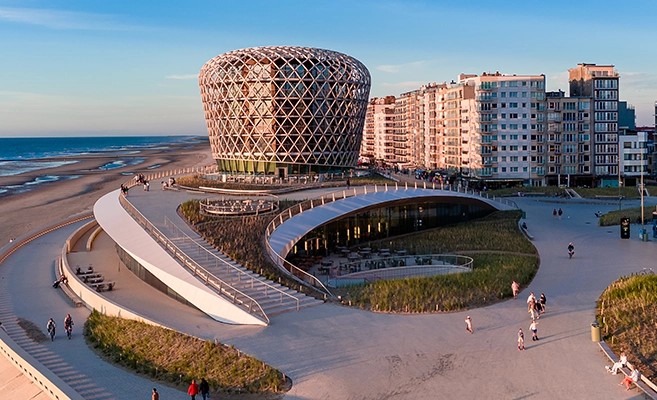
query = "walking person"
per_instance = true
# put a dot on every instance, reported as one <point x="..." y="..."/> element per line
<point x="521" y="340"/>
<point x="534" y="328"/>
<point x="156" y="395"/>
<point x="543" y="301"/>
<point x="468" y="324"/>
<point x="515" y="288"/>
<point x="531" y="297"/>
<point x="205" y="389"/>
<point x="193" y="389"/>
<point x="68" y="325"/>
<point x="50" y="327"/>
<point x="560" y="213"/>
<point x="554" y="213"/>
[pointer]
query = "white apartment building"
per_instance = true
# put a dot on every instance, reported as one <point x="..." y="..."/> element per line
<point x="378" y="134"/>
<point x="507" y="109"/>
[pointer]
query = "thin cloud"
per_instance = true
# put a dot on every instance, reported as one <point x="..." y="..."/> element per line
<point x="56" y="19"/>
<point x="403" y="86"/>
<point x="401" y="67"/>
<point x="183" y="77"/>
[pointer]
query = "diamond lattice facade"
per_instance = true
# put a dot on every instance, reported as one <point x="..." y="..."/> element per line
<point x="280" y="110"/>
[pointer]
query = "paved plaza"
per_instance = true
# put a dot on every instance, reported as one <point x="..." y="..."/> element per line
<point x="335" y="352"/>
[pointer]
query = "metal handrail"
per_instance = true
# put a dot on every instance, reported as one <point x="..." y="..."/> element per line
<point x="237" y="297"/>
<point x="239" y="272"/>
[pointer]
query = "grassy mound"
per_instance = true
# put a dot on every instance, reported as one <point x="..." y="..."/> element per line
<point x="634" y="214"/>
<point x="489" y="282"/>
<point x="627" y="311"/>
<point x="173" y="357"/>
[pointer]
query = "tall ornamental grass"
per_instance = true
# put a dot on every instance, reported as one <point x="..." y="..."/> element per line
<point x="627" y="312"/>
<point x="501" y="255"/>
<point x="173" y="357"/>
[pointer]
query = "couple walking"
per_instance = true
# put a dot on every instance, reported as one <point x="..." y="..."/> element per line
<point x="203" y="389"/>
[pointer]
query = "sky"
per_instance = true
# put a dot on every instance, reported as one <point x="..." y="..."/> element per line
<point x="87" y="67"/>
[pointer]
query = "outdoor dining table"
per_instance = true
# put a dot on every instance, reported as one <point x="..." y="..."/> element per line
<point x="401" y="252"/>
<point x="345" y="252"/>
<point x="384" y="250"/>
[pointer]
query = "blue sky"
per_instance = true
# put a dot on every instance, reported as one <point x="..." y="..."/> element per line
<point x="71" y="68"/>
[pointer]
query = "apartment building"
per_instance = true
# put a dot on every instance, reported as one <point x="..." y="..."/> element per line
<point x="378" y="142"/>
<point x="502" y="129"/>
<point x="600" y="82"/>
<point x="507" y="109"/>
<point x="567" y="141"/>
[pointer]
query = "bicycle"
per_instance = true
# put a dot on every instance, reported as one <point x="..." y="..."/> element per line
<point x="69" y="330"/>
<point x="51" y="331"/>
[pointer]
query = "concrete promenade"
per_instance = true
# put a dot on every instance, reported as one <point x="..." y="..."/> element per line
<point x="334" y="352"/>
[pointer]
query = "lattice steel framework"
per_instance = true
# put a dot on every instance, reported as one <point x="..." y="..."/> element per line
<point x="297" y="108"/>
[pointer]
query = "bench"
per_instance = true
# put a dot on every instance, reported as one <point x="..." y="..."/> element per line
<point x="103" y="286"/>
<point x="649" y="389"/>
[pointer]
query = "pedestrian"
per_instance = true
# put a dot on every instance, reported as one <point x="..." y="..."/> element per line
<point x="521" y="340"/>
<point x="468" y="324"/>
<point x="554" y="213"/>
<point x="156" y="395"/>
<point x="348" y="183"/>
<point x="534" y="328"/>
<point x="560" y="213"/>
<point x="531" y="297"/>
<point x="515" y="288"/>
<point x="531" y="309"/>
<point x="50" y="327"/>
<point x="193" y="389"/>
<point x="205" y="389"/>
<point x="543" y="301"/>
<point x="164" y="185"/>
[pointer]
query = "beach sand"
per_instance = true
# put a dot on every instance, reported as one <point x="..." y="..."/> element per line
<point x="50" y="202"/>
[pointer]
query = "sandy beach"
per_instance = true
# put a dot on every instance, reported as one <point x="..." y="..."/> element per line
<point x="50" y="202"/>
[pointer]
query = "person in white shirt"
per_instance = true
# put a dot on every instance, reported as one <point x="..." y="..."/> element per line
<point x="622" y="361"/>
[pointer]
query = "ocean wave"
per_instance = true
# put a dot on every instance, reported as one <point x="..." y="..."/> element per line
<point x="29" y="185"/>
<point x="10" y="168"/>
<point x="122" y="163"/>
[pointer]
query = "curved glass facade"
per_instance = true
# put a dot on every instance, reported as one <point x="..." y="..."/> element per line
<point x="381" y="223"/>
<point x="280" y="110"/>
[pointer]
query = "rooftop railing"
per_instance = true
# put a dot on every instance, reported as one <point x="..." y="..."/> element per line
<point x="287" y="214"/>
<point x="234" y="295"/>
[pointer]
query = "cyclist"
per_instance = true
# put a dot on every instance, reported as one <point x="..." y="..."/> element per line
<point x="68" y="325"/>
<point x="51" y="329"/>
<point x="571" y="250"/>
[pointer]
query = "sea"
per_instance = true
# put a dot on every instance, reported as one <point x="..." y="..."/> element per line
<point x="22" y="155"/>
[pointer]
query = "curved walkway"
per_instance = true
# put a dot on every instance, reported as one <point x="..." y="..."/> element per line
<point x="377" y="356"/>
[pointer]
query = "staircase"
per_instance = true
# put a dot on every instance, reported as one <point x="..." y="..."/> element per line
<point x="272" y="297"/>
<point x="573" y="193"/>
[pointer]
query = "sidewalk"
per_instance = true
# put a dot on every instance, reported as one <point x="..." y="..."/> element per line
<point x="371" y="355"/>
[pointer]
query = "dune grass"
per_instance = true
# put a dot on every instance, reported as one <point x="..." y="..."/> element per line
<point x="501" y="254"/>
<point x="634" y="214"/>
<point x="172" y="357"/>
<point x="627" y="312"/>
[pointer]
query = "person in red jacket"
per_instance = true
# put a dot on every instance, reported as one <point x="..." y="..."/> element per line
<point x="193" y="389"/>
